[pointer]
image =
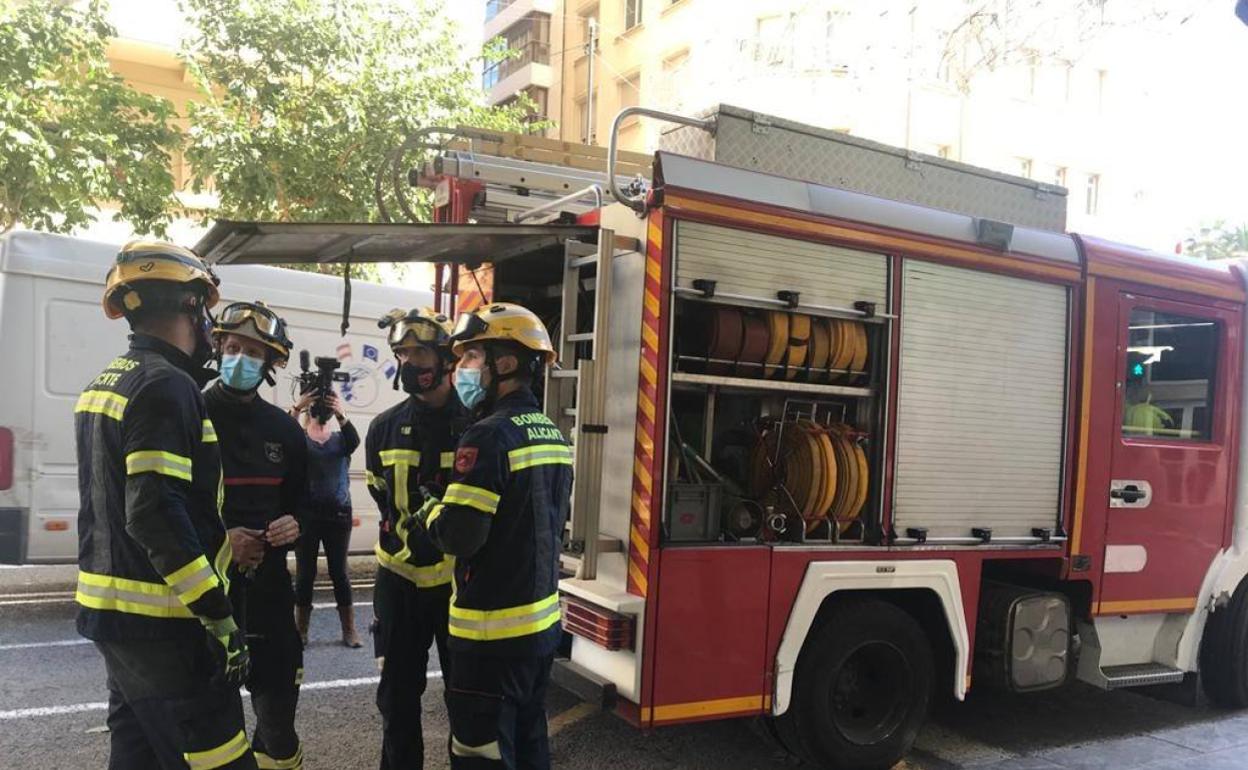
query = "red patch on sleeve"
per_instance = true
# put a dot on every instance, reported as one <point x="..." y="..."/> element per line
<point x="465" y="458"/>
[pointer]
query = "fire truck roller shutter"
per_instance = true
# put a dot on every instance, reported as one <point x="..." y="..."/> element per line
<point x="755" y="264"/>
<point x="981" y="402"/>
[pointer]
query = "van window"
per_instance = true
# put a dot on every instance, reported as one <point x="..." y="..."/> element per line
<point x="1171" y="360"/>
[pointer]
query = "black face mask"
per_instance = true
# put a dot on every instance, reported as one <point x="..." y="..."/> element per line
<point x="420" y="379"/>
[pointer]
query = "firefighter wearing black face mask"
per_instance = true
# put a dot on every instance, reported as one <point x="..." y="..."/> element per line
<point x="264" y="458"/>
<point x="409" y="447"/>
<point x="153" y="552"/>
<point x="502" y="518"/>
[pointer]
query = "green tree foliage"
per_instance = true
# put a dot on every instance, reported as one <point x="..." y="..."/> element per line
<point x="1218" y="241"/>
<point x="74" y="136"/>
<point x="303" y="99"/>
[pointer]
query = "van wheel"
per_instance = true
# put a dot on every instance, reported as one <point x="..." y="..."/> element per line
<point x="1224" y="652"/>
<point x="862" y="687"/>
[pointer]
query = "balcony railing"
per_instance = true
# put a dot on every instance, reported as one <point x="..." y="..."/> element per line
<point x="495" y="7"/>
<point x="533" y="52"/>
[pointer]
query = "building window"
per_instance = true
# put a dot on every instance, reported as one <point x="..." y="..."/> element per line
<point x="494" y="7"/>
<point x="944" y="151"/>
<point x="1033" y="74"/>
<point x="1059" y="176"/>
<point x="583" y="119"/>
<point x="1171" y="361"/>
<point x="632" y="13"/>
<point x="1101" y="75"/>
<point x="587" y="15"/>
<point x="537" y="111"/>
<point x="630" y="90"/>
<point x="1092" y="194"/>
<point x="1025" y="167"/>
<point x="531" y="37"/>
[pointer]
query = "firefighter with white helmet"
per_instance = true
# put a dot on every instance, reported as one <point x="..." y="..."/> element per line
<point x="153" y="551"/>
<point x="409" y="447"/>
<point x="264" y="460"/>
<point x="502" y="518"/>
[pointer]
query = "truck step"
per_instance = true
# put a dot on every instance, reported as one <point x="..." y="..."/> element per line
<point x="1140" y="675"/>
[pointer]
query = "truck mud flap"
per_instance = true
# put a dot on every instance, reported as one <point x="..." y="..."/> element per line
<point x="583" y="683"/>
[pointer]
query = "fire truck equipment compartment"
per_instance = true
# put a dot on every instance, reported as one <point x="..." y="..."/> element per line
<point x="694" y="512"/>
<point x="981" y="402"/>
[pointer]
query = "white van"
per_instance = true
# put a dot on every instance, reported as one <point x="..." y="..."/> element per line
<point x="54" y="338"/>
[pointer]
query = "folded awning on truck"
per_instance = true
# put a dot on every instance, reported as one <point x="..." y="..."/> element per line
<point x="284" y="243"/>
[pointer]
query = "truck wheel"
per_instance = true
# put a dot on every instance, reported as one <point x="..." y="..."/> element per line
<point x="862" y="687"/>
<point x="1224" y="652"/>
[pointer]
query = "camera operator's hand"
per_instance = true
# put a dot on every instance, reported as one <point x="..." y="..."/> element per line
<point x="334" y="402"/>
<point x="282" y="531"/>
<point x="247" y="546"/>
<point x="304" y="403"/>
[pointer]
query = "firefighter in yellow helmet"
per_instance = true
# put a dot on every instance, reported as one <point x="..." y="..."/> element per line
<point x="410" y="446"/>
<point x="264" y="459"/>
<point x="153" y="551"/>
<point x="502" y="518"/>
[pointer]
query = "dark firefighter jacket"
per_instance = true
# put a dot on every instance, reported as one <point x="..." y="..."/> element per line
<point x="502" y="518"/>
<point x="152" y="549"/>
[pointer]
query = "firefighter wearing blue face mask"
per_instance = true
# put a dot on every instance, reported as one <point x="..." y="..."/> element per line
<point x="264" y="460"/>
<point x="502" y="518"/>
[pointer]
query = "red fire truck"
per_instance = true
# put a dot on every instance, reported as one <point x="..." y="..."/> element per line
<point x="839" y="452"/>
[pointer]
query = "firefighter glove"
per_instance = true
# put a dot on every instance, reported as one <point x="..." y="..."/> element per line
<point x="229" y="649"/>
<point x="422" y="514"/>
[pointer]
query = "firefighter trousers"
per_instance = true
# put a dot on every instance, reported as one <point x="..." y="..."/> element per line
<point x="497" y="708"/>
<point x="165" y="711"/>
<point x="264" y="608"/>
<point x="408" y="621"/>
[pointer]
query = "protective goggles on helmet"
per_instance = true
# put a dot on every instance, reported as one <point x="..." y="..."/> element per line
<point x="468" y="327"/>
<point x="266" y="322"/>
<point x="416" y="331"/>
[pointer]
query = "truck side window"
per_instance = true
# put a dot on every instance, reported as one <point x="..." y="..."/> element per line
<point x="1171" y="360"/>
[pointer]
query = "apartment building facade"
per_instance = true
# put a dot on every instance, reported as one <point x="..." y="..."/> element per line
<point x="876" y="69"/>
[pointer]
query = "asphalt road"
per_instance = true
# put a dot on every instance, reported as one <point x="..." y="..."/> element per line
<point x="52" y="713"/>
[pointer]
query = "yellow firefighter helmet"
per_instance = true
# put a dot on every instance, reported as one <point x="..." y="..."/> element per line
<point x="256" y="321"/>
<point x="142" y="261"/>
<point x="504" y="321"/>
<point x="418" y="326"/>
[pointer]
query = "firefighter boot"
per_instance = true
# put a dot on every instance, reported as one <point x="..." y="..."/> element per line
<point x="346" y="615"/>
<point x="303" y="617"/>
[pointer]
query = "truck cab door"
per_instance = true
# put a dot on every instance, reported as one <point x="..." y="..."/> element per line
<point x="1171" y="460"/>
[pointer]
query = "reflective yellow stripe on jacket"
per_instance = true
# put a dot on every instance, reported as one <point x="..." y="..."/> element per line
<point x="219" y="756"/>
<point x="102" y="402"/>
<point x="106" y="592"/>
<point x="193" y="581"/>
<point x="156" y="461"/>
<point x="427" y="576"/>
<point x="539" y="454"/>
<point x="505" y="623"/>
<point x="209" y="434"/>
<point x="474" y="497"/>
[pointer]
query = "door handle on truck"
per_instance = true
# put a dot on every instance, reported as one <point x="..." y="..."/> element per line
<point x="1130" y="494"/>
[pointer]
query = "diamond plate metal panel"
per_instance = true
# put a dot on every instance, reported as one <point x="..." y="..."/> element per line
<point x="772" y="145"/>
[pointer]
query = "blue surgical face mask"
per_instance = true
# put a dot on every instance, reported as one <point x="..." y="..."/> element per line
<point x="241" y="372"/>
<point x="468" y="386"/>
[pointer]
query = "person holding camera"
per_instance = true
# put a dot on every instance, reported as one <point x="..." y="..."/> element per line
<point x="264" y="463"/>
<point x="410" y="448"/>
<point x="327" y="513"/>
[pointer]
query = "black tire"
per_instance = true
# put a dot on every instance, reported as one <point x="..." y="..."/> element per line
<point x="1224" y="653"/>
<point x="862" y="687"/>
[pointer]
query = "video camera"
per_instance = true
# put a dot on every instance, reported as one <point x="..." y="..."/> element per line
<point x="321" y="381"/>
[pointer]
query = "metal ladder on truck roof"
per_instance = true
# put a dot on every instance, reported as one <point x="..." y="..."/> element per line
<point x="525" y="176"/>
<point x="576" y="396"/>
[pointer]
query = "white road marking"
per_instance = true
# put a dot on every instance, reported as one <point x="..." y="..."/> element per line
<point x="37" y="645"/>
<point x="65" y="600"/>
<point x="77" y="708"/>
